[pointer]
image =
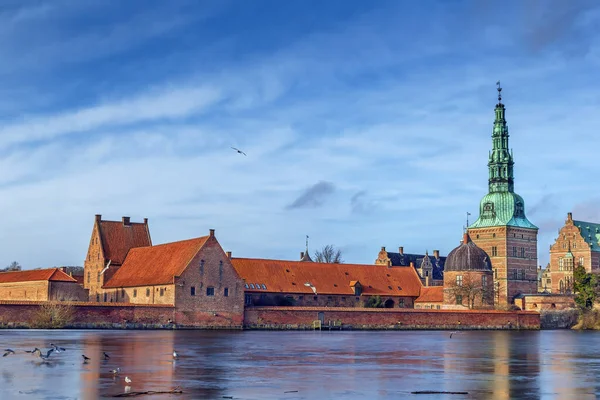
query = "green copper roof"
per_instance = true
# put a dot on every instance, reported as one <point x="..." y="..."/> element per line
<point x="501" y="206"/>
<point x="590" y="233"/>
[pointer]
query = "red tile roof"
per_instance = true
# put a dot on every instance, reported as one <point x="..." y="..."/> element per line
<point x="431" y="294"/>
<point x="51" y="274"/>
<point x="118" y="238"/>
<point x="290" y="277"/>
<point x="155" y="265"/>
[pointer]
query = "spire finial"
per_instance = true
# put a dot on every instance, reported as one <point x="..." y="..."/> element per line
<point x="468" y="213"/>
<point x="306" y="244"/>
<point x="499" y="89"/>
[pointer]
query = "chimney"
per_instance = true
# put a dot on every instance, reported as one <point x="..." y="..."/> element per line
<point x="228" y="255"/>
<point x="382" y="248"/>
<point x="401" y="250"/>
<point x="301" y="255"/>
<point x="98" y="217"/>
<point x="145" y="221"/>
<point x="436" y="253"/>
<point x="427" y="280"/>
<point x="126" y="221"/>
<point x="211" y="233"/>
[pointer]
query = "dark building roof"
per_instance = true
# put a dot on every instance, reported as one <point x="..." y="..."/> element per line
<point x="404" y="260"/>
<point x="468" y="257"/>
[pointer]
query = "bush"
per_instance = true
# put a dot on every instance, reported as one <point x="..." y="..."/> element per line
<point x="374" y="302"/>
<point x="53" y="315"/>
<point x="588" y="319"/>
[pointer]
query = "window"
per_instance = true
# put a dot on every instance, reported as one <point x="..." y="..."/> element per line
<point x="98" y="278"/>
<point x="494" y="251"/>
<point x="257" y="285"/>
<point x="515" y="274"/>
<point x="134" y="292"/>
<point x="246" y="286"/>
<point x="438" y="307"/>
<point x="574" y="245"/>
<point x="89" y="277"/>
<point x="494" y="235"/>
<point x="548" y="280"/>
<point x="315" y="297"/>
<point x="522" y="252"/>
<point x="264" y="286"/>
<point x="561" y="264"/>
<point x="162" y="291"/>
<point x="210" y="291"/>
<point x="122" y="293"/>
<point x="401" y="303"/>
<point x="459" y="280"/>
<point x="484" y="281"/>
<point x="226" y="292"/>
<point x="147" y="292"/>
<point x="514" y="251"/>
<point x="426" y="274"/>
<point x="581" y="261"/>
<point x="105" y="297"/>
<point x="248" y="300"/>
<point x="201" y="267"/>
<point x="496" y="273"/>
<point x="459" y="299"/>
<point x="220" y="270"/>
<point x="252" y="286"/>
<point x="98" y="297"/>
<point x="193" y="291"/>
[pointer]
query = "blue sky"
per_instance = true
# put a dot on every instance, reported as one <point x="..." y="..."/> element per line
<point x="365" y="124"/>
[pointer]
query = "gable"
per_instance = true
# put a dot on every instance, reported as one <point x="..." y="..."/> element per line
<point x="51" y="274"/>
<point x="156" y="265"/>
<point x="119" y="237"/>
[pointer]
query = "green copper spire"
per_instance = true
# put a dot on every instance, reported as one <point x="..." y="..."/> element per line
<point x="501" y="163"/>
<point x="501" y="206"/>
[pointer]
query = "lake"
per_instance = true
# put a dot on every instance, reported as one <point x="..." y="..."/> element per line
<point x="303" y="365"/>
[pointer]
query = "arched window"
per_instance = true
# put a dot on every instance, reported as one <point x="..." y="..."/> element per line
<point x="561" y="286"/>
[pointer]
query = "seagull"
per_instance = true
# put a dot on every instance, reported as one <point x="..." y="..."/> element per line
<point x="175" y="355"/>
<point x="57" y="349"/>
<point x="115" y="371"/>
<point x="127" y="379"/>
<point x="85" y="358"/>
<point x="40" y="355"/>
<point x="106" y="356"/>
<point x="239" y="151"/>
<point x="8" y="351"/>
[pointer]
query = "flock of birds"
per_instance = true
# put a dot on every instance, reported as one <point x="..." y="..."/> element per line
<point x="56" y="349"/>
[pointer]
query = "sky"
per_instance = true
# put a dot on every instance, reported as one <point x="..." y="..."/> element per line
<point x="365" y="124"/>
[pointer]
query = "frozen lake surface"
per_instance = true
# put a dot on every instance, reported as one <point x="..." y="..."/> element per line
<point x="306" y="365"/>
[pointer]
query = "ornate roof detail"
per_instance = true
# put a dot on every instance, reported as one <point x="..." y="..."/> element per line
<point x="501" y="206"/>
<point x="305" y="256"/>
<point x="468" y="257"/>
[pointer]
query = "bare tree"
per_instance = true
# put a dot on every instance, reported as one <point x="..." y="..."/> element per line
<point x="329" y="254"/>
<point x="468" y="288"/>
<point x="13" y="266"/>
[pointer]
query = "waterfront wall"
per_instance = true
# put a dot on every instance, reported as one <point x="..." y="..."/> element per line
<point x="361" y="318"/>
<point x="21" y="314"/>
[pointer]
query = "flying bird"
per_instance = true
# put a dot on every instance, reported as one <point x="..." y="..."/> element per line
<point x="56" y="348"/>
<point x="7" y="352"/>
<point x="106" y="356"/>
<point x="452" y="333"/>
<point x="127" y="380"/>
<point x="85" y="358"/>
<point x="239" y="151"/>
<point x="40" y="355"/>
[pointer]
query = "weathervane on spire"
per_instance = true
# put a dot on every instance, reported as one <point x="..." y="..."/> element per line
<point x="307" y="243"/>
<point x="468" y="213"/>
<point x="499" y="89"/>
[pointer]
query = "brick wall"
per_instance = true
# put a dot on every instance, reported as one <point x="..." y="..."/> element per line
<point x="69" y="291"/>
<point x="33" y="291"/>
<point x="94" y="263"/>
<point x="508" y="268"/>
<point x="545" y="302"/>
<point x="310" y="300"/>
<point x="101" y="315"/>
<point x="303" y="318"/>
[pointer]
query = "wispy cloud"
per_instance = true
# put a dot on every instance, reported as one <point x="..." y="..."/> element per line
<point x="313" y="196"/>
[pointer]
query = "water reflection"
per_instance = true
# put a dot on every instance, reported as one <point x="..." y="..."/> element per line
<point x="304" y="365"/>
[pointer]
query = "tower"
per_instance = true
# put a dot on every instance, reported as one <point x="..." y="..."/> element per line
<point x="502" y="229"/>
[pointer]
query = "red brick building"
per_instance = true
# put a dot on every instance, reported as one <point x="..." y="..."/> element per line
<point x="502" y="230"/>
<point x="578" y="243"/>
<point x="195" y="276"/>
<point x="300" y="283"/>
<point x="109" y="244"/>
<point x="40" y="285"/>
<point x="468" y="279"/>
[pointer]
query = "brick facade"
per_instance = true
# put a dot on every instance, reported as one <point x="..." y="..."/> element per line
<point x="538" y="302"/>
<point x="323" y="300"/>
<point x="513" y="254"/>
<point x="570" y="240"/>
